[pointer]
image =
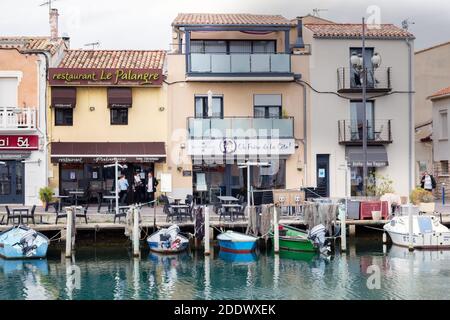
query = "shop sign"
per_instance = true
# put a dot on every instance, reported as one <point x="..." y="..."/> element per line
<point x="105" y="77"/>
<point x="375" y="164"/>
<point x="104" y="159"/>
<point x="19" y="142"/>
<point x="187" y="173"/>
<point x="213" y="147"/>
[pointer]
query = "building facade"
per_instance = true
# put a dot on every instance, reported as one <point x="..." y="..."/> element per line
<point x="106" y="106"/>
<point x="335" y="116"/>
<point x="24" y="65"/>
<point x="441" y="146"/>
<point x="233" y="97"/>
<point x="432" y="73"/>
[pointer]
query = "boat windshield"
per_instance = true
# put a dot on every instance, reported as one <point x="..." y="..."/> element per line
<point x="425" y="224"/>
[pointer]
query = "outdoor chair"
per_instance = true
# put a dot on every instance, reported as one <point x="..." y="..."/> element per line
<point x="241" y="211"/>
<point x="83" y="213"/>
<point x="223" y="212"/>
<point x="122" y="213"/>
<point x="59" y="214"/>
<point x="30" y="215"/>
<point x="190" y="202"/>
<point x="11" y="216"/>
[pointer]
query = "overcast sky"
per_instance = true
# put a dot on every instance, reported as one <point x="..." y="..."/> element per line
<point x="145" y="24"/>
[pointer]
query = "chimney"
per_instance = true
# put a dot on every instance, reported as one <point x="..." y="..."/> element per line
<point x="53" y="20"/>
<point x="299" y="42"/>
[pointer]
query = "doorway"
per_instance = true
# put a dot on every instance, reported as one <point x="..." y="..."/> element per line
<point x="322" y="175"/>
<point x="12" y="182"/>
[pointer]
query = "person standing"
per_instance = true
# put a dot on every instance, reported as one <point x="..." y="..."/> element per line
<point x="123" y="189"/>
<point x="152" y="183"/>
<point x="427" y="182"/>
<point x="137" y="188"/>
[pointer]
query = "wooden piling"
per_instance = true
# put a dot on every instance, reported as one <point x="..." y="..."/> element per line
<point x="136" y="233"/>
<point x="69" y="232"/>
<point x="343" y="219"/>
<point x="276" y="232"/>
<point x="207" y="234"/>
<point x="410" y="218"/>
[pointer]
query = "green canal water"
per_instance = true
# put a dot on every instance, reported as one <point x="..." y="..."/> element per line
<point x="111" y="273"/>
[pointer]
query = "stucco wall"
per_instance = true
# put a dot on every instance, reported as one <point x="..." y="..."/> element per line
<point x="441" y="147"/>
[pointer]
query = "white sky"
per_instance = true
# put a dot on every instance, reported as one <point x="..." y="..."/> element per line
<point x="145" y="24"/>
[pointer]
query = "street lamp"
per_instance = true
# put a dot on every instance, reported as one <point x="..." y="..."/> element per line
<point x="359" y="65"/>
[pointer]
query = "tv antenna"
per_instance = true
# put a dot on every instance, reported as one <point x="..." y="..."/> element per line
<point x="93" y="44"/>
<point x="406" y="23"/>
<point x="316" y="12"/>
<point x="48" y="3"/>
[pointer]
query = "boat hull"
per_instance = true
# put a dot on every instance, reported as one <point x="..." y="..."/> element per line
<point x="299" y="245"/>
<point x="423" y="241"/>
<point x="23" y="243"/>
<point x="237" y="247"/>
<point x="168" y="241"/>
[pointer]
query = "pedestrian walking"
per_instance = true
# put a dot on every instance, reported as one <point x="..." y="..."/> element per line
<point x="428" y="182"/>
<point x="152" y="183"/>
<point x="138" y="188"/>
<point x="123" y="189"/>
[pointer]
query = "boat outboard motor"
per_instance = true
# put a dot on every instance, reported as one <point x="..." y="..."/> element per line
<point x="27" y="243"/>
<point x="317" y="236"/>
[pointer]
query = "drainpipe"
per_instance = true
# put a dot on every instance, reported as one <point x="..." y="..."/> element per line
<point x="305" y="131"/>
<point x="410" y="115"/>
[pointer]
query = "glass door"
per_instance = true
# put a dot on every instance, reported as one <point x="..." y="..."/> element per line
<point x="12" y="182"/>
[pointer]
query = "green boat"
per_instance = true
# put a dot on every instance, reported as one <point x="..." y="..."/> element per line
<point x="293" y="239"/>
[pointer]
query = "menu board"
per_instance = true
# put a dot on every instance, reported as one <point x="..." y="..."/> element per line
<point x="166" y="182"/>
<point x="201" y="182"/>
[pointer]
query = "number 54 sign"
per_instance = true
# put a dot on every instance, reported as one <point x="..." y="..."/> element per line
<point x="19" y="142"/>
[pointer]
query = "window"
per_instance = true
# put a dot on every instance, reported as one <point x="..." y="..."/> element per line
<point x="355" y="80"/>
<point x="267" y="106"/>
<point x="8" y="92"/>
<point x="63" y="116"/>
<point x="356" y="119"/>
<point x="443" y="123"/>
<point x="444" y="167"/>
<point x="233" y="46"/>
<point x="201" y="107"/>
<point x="119" y="116"/>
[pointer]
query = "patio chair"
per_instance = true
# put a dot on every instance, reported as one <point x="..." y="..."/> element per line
<point x="122" y="213"/>
<point x="59" y="214"/>
<point x="223" y="212"/>
<point x="30" y="215"/>
<point x="190" y="202"/>
<point x="101" y="202"/>
<point x="83" y="213"/>
<point x="241" y="211"/>
<point x="11" y="216"/>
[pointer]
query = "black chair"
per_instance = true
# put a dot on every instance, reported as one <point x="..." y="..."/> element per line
<point x="83" y="213"/>
<point x="188" y="211"/>
<point x="122" y="213"/>
<point x="223" y="212"/>
<point x="241" y="211"/>
<point x="30" y="214"/>
<point x="102" y="202"/>
<point x="12" y="216"/>
<point x="59" y="214"/>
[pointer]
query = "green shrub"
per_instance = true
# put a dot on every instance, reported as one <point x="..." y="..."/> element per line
<point x="46" y="194"/>
<point x="419" y="195"/>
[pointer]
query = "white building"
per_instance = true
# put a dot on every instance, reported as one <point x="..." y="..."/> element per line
<point x="334" y="140"/>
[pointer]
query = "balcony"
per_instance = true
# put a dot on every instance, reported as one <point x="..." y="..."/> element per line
<point x="378" y="132"/>
<point x="378" y="80"/>
<point x="240" y="65"/>
<point x="17" y="119"/>
<point x="240" y="127"/>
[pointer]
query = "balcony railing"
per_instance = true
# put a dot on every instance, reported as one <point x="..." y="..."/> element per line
<point x="350" y="132"/>
<point x="13" y="118"/>
<point x="249" y="64"/>
<point x="378" y="80"/>
<point x="240" y="127"/>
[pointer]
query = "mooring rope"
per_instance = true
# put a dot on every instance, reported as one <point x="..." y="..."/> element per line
<point x="53" y="238"/>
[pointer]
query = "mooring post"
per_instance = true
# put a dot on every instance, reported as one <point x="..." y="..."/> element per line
<point x="207" y="239"/>
<point x="410" y="217"/>
<point x="69" y="232"/>
<point x="276" y="232"/>
<point x="136" y="233"/>
<point x="343" y="218"/>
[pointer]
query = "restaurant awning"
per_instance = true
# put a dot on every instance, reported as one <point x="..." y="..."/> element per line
<point x="107" y="152"/>
<point x="376" y="156"/>
<point x="64" y="97"/>
<point x="119" y="98"/>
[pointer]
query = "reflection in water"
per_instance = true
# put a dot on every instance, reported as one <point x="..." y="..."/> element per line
<point x="112" y="273"/>
<point x="243" y="258"/>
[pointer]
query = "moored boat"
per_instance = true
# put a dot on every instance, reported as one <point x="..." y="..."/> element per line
<point x="20" y="242"/>
<point x="168" y="240"/>
<point x="293" y="239"/>
<point x="236" y="242"/>
<point x="427" y="232"/>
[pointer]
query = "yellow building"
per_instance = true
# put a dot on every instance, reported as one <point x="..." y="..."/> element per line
<point x="103" y="106"/>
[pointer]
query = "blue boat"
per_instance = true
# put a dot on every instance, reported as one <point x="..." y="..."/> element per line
<point x="20" y="242"/>
<point x="236" y="242"/>
<point x="10" y="266"/>
<point x="238" y="258"/>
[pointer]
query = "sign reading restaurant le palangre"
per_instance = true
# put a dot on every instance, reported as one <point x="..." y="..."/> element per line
<point x="105" y="77"/>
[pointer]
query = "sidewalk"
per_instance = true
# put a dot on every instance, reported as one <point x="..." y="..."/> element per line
<point x="444" y="209"/>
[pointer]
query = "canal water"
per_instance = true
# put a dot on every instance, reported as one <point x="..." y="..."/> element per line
<point x="365" y="272"/>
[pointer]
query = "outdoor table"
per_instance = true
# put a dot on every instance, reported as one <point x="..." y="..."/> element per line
<point x="227" y="199"/>
<point x="59" y="200"/>
<point x="177" y="210"/>
<point x="230" y="207"/>
<point x="20" y="212"/>
<point x="110" y="198"/>
<point x="76" y="194"/>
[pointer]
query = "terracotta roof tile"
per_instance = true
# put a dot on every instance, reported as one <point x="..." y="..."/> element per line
<point x="440" y="94"/>
<point x="137" y="59"/>
<point x="192" y="19"/>
<point x="31" y="43"/>
<point x="351" y="30"/>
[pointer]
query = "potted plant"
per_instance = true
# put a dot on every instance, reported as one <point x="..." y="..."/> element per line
<point x="46" y="195"/>
<point x="424" y="199"/>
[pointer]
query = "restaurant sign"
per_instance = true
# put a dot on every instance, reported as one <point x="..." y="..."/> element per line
<point x="104" y="159"/>
<point x="105" y="77"/>
<point x="227" y="146"/>
<point x="19" y="142"/>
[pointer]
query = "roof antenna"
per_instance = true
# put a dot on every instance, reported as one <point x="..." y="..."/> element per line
<point x="406" y="23"/>
<point x="316" y="12"/>
<point x="93" y="44"/>
<point x="48" y="3"/>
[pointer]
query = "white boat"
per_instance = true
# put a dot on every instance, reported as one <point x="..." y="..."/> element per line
<point x="168" y="240"/>
<point x="427" y="233"/>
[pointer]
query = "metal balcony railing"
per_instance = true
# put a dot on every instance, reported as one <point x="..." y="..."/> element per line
<point x="240" y="127"/>
<point x="12" y="118"/>
<point x="239" y="63"/>
<point x="377" y="80"/>
<point x="351" y="132"/>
